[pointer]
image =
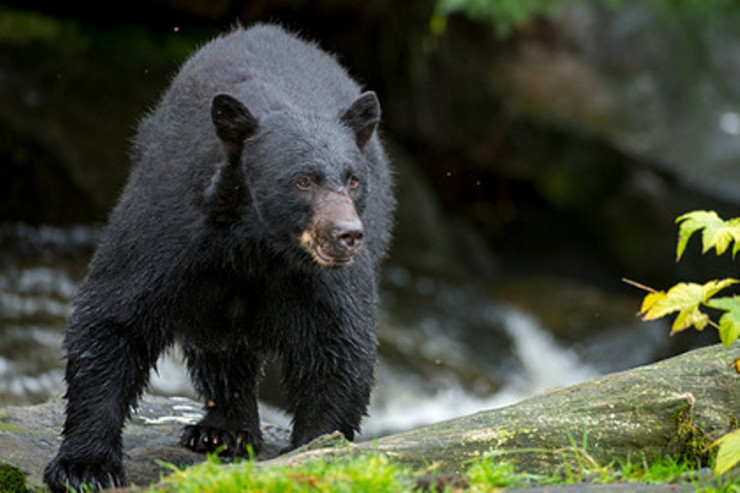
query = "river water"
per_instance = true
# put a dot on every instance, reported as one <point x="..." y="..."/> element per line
<point x="446" y="349"/>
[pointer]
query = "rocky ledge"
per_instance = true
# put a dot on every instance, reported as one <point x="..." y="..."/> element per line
<point x="30" y="436"/>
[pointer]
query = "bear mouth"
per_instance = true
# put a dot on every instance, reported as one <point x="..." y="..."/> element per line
<point x="324" y="253"/>
<point x="332" y="261"/>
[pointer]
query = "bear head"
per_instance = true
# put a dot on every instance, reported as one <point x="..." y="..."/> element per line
<point x="300" y="179"/>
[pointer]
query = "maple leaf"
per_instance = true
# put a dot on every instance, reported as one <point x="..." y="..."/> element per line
<point x="729" y="323"/>
<point x="684" y="298"/>
<point x="717" y="233"/>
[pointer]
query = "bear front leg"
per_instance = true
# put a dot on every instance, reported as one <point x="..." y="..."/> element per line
<point x="328" y="386"/>
<point x="227" y="380"/>
<point x="107" y="369"/>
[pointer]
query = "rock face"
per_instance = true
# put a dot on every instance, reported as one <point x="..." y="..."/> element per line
<point x="659" y="131"/>
<point x="681" y="112"/>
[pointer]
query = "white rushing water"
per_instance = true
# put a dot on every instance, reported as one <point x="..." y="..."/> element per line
<point x="544" y="364"/>
<point x="400" y="404"/>
<point x="35" y="301"/>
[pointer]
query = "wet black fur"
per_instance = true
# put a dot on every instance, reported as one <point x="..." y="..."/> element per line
<point x="202" y="248"/>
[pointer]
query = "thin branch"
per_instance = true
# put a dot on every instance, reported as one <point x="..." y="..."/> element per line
<point x="638" y="285"/>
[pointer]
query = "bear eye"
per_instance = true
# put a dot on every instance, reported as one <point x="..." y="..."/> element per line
<point x="305" y="182"/>
<point x="353" y="181"/>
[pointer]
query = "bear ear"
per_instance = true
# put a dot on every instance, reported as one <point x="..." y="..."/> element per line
<point x="363" y="117"/>
<point x="234" y="123"/>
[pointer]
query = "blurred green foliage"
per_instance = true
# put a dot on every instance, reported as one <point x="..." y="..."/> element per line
<point x="21" y="28"/>
<point x="507" y="15"/>
<point x="26" y="29"/>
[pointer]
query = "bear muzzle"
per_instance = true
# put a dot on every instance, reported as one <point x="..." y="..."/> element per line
<point x="335" y="234"/>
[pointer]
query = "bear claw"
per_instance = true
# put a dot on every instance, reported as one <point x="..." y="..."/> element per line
<point x="63" y="475"/>
<point x="200" y="438"/>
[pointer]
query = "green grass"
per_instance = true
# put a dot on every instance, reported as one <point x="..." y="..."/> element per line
<point x="491" y="472"/>
<point x="374" y="473"/>
<point x="377" y="473"/>
<point x="661" y="470"/>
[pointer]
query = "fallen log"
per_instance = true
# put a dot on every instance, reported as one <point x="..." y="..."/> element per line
<point x="676" y="407"/>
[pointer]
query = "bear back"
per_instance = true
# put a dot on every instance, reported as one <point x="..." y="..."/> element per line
<point x="176" y="150"/>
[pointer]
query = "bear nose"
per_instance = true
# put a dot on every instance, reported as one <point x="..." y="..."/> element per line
<point x="349" y="234"/>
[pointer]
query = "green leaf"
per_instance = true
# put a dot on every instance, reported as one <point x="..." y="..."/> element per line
<point x="733" y="226"/>
<point x="729" y="323"/>
<point x="688" y="317"/>
<point x="717" y="234"/>
<point x="689" y="224"/>
<point x="684" y="298"/>
<point x="729" y="452"/>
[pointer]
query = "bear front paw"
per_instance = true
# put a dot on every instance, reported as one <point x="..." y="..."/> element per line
<point x="63" y="475"/>
<point x="202" y="438"/>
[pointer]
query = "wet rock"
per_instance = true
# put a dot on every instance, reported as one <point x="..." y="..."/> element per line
<point x="30" y="436"/>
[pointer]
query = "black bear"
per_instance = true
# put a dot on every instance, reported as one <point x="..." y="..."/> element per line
<point x="253" y="224"/>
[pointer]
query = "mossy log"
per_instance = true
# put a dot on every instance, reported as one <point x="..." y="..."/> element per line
<point x="675" y="407"/>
